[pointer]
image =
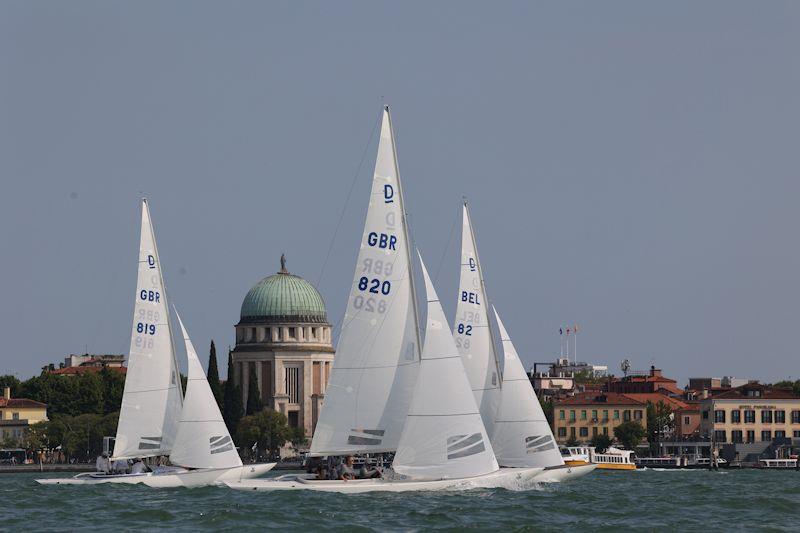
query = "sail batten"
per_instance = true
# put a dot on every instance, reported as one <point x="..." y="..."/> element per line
<point x="522" y="436"/>
<point x="471" y="329"/>
<point x="377" y="355"/>
<point x="152" y="398"/>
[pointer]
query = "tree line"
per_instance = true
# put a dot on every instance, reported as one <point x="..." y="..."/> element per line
<point x="84" y="408"/>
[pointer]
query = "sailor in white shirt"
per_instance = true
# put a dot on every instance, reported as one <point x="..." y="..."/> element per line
<point x="138" y="467"/>
<point x="102" y="464"/>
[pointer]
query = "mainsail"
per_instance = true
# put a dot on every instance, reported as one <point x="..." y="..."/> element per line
<point x="522" y="437"/>
<point x="202" y="440"/>
<point x="444" y="436"/>
<point x="377" y="356"/>
<point x="152" y="399"/>
<point x="472" y="332"/>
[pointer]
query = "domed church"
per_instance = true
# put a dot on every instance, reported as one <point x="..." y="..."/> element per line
<point x="283" y="336"/>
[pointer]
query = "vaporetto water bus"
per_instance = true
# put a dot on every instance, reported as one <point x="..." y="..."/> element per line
<point x="611" y="459"/>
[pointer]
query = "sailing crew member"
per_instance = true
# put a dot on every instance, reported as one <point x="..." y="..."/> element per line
<point x="138" y="467"/>
<point x="120" y="466"/>
<point x="346" y="471"/>
<point x="102" y="464"/>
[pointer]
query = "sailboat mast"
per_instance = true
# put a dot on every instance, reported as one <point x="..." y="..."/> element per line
<point x="407" y="237"/>
<point x="166" y="300"/>
<point x="485" y="296"/>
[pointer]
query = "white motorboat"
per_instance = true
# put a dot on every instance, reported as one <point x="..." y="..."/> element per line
<point x="155" y="418"/>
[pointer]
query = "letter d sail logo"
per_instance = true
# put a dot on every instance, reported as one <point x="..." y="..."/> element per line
<point x="388" y="194"/>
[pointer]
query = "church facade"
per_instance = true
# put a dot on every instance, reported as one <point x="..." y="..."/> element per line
<point x="284" y="338"/>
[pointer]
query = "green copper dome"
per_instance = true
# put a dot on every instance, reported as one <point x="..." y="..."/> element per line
<point x="283" y="297"/>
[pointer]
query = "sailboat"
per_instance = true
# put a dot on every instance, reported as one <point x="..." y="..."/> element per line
<point x="155" y="418"/>
<point x="519" y="431"/>
<point x="386" y="396"/>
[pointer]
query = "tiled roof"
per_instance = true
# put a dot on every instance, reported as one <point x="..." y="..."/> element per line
<point x="656" y="397"/>
<point x="607" y="398"/>
<point x="21" y="403"/>
<point x="767" y="393"/>
<point x="73" y="370"/>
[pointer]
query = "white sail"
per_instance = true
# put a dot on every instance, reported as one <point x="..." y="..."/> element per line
<point x="377" y="356"/>
<point x="444" y="436"/>
<point x="522" y="437"/>
<point x="202" y="440"/>
<point x="472" y="332"/>
<point x="152" y="399"/>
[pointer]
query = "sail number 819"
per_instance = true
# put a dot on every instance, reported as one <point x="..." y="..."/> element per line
<point x="148" y="329"/>
<point x="374" y="285"/>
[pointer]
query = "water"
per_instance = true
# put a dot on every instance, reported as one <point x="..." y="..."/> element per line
<point x="641" y="500"/>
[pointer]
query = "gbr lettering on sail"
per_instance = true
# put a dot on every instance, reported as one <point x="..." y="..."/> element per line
<point x="377" y="264"/>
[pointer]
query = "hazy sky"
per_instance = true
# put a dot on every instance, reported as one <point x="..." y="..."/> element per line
<point x="631" y="166"/>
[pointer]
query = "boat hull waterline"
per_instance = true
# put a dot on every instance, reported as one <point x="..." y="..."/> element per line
<point x="186" y="478"/>
<point x="507" y="478"/>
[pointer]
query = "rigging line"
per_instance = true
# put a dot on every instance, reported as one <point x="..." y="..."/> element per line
<point x="447" y="246"/>
<point x="347" y="200"/>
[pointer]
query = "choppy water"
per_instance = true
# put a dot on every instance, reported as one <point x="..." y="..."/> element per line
<point x="642" y="500"/>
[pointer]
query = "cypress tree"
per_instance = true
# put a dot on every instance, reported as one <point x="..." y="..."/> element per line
<point x="232" y="410"/>
<point x="254" y="404"/>
<point x="213" y="375"/>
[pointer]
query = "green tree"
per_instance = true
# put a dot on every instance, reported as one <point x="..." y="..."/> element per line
<point x="600" y="442"/>
<point x="10" y="381"/>
<point x="788" y="384"/>
<point x="254" y="403"/>
<point x="660" y="421"/>
<point x="571" y="442"/>
<point x="269" y="430"/>
<point x="69" y="395"/>
<point x="213" y="375"/>
<point x="233" y="409"/>
<point x="630" y="434"/>
<point x="113" y="386"/>
<point x="79" y="436"/>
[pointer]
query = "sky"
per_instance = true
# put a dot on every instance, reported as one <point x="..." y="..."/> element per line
<point x="631" y="167"/>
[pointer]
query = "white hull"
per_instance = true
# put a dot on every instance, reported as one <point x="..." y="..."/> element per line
<point x="560" y="474"/>
<point x="508" y="478"/>
<point x="187" y="478"/>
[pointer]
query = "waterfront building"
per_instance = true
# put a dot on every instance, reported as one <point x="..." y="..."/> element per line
<point x="653" y="381"/>
<point x="284" y="338"/>
<point x="585" y="415"/>
<point x="559" y="378"/>
<point x="687" y="421"/>
<point x="17" y="414"/>
<point x="86" y="363"/>
<point x="750" y="413"/>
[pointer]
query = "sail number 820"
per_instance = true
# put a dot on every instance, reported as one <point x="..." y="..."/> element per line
<point x="374" y="286"/>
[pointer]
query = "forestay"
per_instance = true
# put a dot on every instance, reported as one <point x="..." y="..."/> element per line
<point x="378" y="352"/>
<point x="522" y="437"/>
<point x="472" y="332"/>
<point x="152" y="398"/>
<point x="444" y="436"/>
<point x="202" y="440"/>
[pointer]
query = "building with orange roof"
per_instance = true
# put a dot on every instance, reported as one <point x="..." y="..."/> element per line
<point x="586" y="415"/>
<point x="17" y="414"/>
